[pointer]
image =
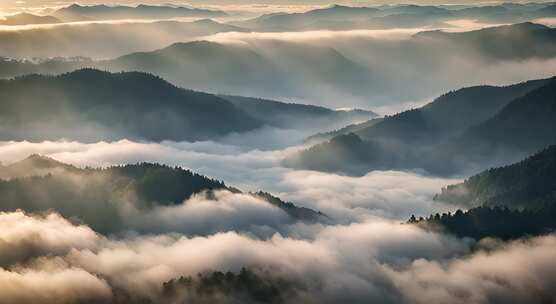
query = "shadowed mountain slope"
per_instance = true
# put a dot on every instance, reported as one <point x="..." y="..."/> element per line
<point x="26" y="18"/>
<point x="76" y="12"/>
<point x="94" y="105"/>
<point x="528" y="183"/>
<point x="458" y="131"/>
<point x="103" y="197"/>
<point x="502" y="42"/>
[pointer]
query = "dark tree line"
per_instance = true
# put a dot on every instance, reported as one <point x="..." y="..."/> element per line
<point x="247" y="286"/>
<point x="528" y="183"/>
<point x="96" y="196"/>
<point x="498" y="222"/>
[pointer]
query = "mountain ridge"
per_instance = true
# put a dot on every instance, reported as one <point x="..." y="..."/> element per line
<point x="75" y="12"/>
<point x="144" y="185"/>
<point x="423" y="138"/>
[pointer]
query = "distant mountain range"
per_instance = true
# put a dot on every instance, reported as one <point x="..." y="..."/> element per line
<point x="304" y="21"/>
<point x="355" y="72"/>
<point x="338" y="17"/>
<point x="92" y="105"/>
<point x="280" y="69"/>
<point x="76" y="12"/>
<point x="334" y="17"/>
<point x="98" y="196"/>
<point x="104" y="40"/>
<point x="26" y="18"/>
<point x="468" y="129"/>
<point x="502" y="42"/>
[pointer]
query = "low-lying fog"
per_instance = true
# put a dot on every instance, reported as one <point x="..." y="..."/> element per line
<point x="389" y="194"/>
<point x="366" y="255"/>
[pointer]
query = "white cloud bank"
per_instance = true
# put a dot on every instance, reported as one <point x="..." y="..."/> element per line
<point x="371" y="261"/>
<point x="368" y="256"/>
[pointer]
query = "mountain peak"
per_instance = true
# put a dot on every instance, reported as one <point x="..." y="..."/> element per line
<point x="197" y="44"/>
<point x="24" y="15"/>
<point x="529" y="26"/>
<point x="34" y="164"/>
<point x="39" y="160"/>
<point x="206" y="21"/>
<point x="86" y="73"/>
<point x="37" y="156"/>
<point x="350" y="139"/>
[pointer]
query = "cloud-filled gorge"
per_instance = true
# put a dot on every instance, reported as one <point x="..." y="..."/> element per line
<point x="231" y="152"/>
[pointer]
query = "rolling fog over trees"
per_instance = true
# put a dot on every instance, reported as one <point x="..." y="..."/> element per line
<point x="277" y="152"/>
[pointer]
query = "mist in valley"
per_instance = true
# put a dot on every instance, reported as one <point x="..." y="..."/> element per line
<point x="277" y="152"/>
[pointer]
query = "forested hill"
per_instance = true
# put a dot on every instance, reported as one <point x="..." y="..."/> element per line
<point x="99" y="196"/>
<point x="494" y="222"/>
<point x="34" y="165"/>
<point x="528" y="183"/>
<point x="527" y="124"/>
<point x="93" y="105"/>
<point x="507" y="202"/>
<point x="293" y="115"/>
<point x="76" y="12"/>
<point x="449" y="114"/>
<point x="501" y="42"/>
<point x="455" y="133"/>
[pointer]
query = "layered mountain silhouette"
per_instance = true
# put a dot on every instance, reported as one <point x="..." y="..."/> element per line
<point x="345" y="75"/>
<point x="92" y="105"/>
<point x="104" y="40"/>
<point x="502" y="42"/>
<point x="521" y="128"/>
<point x="467" y="129"/>
<point x="274" y="70"/>
<point x="309" y="20"/>
<point x="99" y="197"/>
<point x="296" y="116"/>
<point x="339" y="17"/>
<point x="352" y="128"/>
<point x="204" y="65"/>
<point x="76" y="12"/>
<point x="26" y="18"/>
